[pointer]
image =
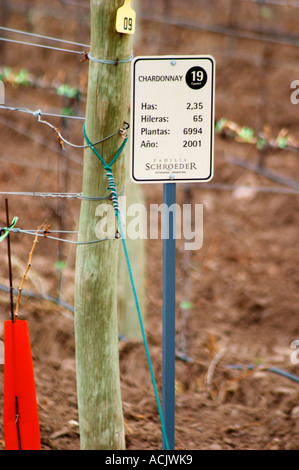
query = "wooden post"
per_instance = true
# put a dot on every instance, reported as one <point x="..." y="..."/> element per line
<point x="96" y="329"/>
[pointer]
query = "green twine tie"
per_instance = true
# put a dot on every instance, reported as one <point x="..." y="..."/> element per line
<point x="114" y="195"/>
<point x="5" y="231"/>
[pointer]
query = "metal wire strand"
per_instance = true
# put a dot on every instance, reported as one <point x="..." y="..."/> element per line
<point x="39" y="112"/>
<point x="60" y="195"/>
<point x="14" y="41"/>
<point x="111" y="62"/>
<point x="122" y="130"/>
<point x="49" y="38"/>
<point x="45" y="234"/>
<point x="223" y="30"/>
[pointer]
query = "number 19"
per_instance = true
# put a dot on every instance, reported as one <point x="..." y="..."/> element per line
<point x="197" y="76"/>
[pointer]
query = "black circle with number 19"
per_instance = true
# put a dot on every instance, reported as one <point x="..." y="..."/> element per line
<point x="196" y="78"/>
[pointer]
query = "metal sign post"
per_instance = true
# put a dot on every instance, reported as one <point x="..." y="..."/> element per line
<point x="172" y="142"/>
<point x="169" y="288"/>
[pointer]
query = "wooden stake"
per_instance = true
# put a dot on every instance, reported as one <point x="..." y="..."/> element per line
<point x="96" y="328"/>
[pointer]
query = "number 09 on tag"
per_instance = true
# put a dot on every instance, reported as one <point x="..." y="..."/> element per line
<point x="125" y="19"/>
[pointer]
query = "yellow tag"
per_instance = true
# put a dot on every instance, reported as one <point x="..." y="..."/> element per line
<point x="125" y="19"/>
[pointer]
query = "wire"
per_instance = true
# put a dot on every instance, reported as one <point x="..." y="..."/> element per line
<point x="278" y="178"/>
<point x="39" y="112"/>
<point x="223" y="30"/>
<point x="275" y="370"/>
<point x="260" y="189"/>
<point x="42" y="46"/>
<point x="48" y="297"/>
<point x="69" y="143"/>
<point x="102" y="61"/>
<point x="44" y="234"/>
<point x="122" y="130"/>
<point x="11" y="30"/>
<point x="81" y="118"/>
<point x="111" y="62"/>
<point x="75" y="4"/>
<point x="43" y="195"/>
<point x="42" y="142"/>
<point x="281" y="3"/>
<point x="60" y="195"/>
<point x="51" y="195"/>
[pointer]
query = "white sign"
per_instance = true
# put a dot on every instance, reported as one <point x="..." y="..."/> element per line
<point x="172" y="112"/>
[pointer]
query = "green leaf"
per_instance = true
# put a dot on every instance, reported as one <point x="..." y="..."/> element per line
<point x="68" y="91"/>
<point x="4" y="232"/>
<point x="60" y="265"/>
<point x="67" y="111"/>
<point x="266" y="12"/>
<point x="246" y="134"/>
<point x="186" y="305"/>
<point x="258" y="361"/>
<point x="22" y="78"/>
<point x="6" y="72"/>
<point x="261" y="142"/>
<point x="282" y="142"/>
<point x="219" y="124"/>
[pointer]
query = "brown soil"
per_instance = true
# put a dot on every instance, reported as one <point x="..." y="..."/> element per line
<point x="243" y="280"/>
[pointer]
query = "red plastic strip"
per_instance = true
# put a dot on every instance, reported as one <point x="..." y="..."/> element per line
<point x="20" y="413"/>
